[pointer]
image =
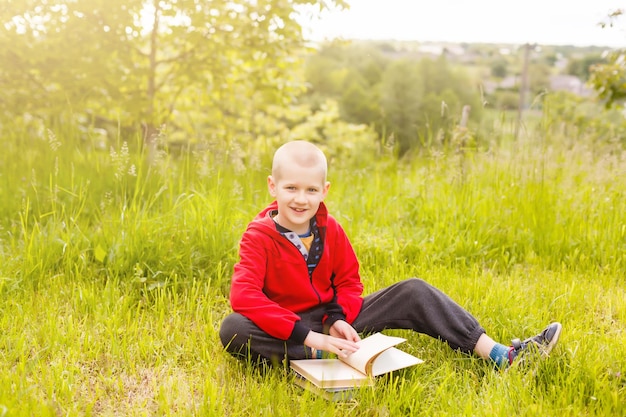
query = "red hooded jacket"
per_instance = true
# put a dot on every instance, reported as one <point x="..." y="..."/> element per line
<point x="271" y="282"/>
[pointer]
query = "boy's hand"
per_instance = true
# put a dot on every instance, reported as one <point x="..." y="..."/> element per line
<point x="336" y="345"/>
<point x="343" y="330"/>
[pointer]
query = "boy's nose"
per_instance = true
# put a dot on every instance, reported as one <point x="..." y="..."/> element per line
<point x="300" y="197"/>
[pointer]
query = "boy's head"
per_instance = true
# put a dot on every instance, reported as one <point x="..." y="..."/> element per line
<point x="302" y="153"/>
<point x="298" y="182"/>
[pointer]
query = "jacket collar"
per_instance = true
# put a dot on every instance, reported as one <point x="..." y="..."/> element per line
<point x="264" y="219"/>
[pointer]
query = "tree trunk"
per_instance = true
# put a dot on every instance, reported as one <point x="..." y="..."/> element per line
<point x="150" y="131"/>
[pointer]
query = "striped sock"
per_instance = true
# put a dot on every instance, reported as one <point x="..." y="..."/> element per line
<point x="500" y="355"/>
<point x="316" y="354"/>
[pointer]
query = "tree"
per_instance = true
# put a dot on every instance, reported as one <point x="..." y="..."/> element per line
<point x="407" y="101"/>
<point x="581" y="67"/>
<point x="359" y="101"/>
<point x="53" y="54"/>
<point x="401" y="94"/>
<point x="538" y="78"/>
<point x="150" y="61"/>
<point x="609" y="79"/>
<point x="499" y="69"/>
<point x="422" y="101"/>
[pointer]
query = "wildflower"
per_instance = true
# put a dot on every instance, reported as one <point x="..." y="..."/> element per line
<point x="120" y="160"/>
<point x="52" y="141"/>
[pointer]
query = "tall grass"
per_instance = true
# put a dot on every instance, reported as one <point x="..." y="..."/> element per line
<point x="115" y="274"/>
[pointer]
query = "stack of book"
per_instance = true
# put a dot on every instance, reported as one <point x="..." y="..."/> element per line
<point x="337" y="379"/>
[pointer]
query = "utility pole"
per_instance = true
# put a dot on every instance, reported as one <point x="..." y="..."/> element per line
<point x="523" y="89"/>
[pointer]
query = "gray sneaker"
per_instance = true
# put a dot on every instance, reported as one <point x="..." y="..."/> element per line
<point x="543" y="343"/>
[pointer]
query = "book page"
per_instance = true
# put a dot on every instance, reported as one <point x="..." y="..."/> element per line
<point x="369" y="348"/>
<point x="328" y="373"/>
<point x="391" y="360"/>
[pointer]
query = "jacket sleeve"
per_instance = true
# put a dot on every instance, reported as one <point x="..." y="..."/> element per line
<point x="248" y="298"/>
<point x="346" y="279"/>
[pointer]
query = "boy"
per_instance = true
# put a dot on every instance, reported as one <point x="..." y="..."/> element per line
<point x="296" y="290"/>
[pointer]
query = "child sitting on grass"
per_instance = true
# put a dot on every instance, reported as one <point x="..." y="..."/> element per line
<point x="296" y="290"/>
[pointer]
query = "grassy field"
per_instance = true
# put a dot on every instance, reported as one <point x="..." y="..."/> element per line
<point x="115" y="275"/>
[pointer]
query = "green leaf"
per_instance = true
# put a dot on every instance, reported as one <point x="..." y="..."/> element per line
<point x="100" y="254"/>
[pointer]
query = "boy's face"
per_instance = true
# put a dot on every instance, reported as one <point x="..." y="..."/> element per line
<point x="298" y="190"/>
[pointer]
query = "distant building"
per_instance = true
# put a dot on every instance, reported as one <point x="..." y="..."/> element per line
<point x="509" y="82"/>
<point x="571" y="84"/>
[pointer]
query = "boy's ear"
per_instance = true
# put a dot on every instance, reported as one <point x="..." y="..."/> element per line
<point x="326" y="187"/>
<point x="271" y="185"/>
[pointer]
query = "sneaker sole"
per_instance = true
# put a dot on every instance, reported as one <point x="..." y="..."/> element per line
<point x="555" y="338"/>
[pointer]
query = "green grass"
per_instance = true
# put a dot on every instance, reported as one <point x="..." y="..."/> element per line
<point x="115" y="275"/>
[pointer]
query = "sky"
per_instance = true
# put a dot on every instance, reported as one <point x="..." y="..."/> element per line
<point x="545" y="22"/>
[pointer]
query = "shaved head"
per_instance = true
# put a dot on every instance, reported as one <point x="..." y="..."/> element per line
<point x="298" y="183"/>
<point x="301" y="153"/>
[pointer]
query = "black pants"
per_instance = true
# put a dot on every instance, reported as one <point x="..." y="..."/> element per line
<point x="411" y="304"/>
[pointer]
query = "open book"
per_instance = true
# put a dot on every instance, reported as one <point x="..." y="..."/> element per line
<point x="376" y="356"/>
